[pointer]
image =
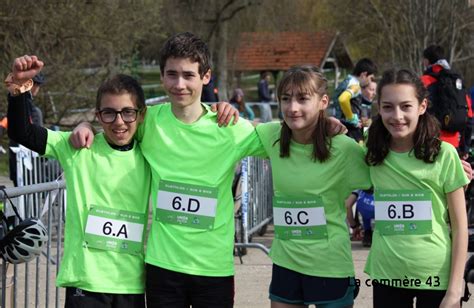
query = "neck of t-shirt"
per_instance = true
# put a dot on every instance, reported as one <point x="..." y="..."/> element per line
<point x="401" y="145"/>
<point x="122" y="148"/>
<point x="189" y="114"/>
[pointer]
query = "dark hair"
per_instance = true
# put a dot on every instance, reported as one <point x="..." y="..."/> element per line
<point x="264" y="74"/>
<point x="425" y="139"/>
<point x="433" y="53"/>
<point x="365" y="65"/>
<point x="233" y="100"/>
<point x="188" y="46"/>
<point x="121" y="84"/>
<point x="306" y="79"/>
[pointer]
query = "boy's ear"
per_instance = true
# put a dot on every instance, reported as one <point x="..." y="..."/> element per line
<point x="206" y="77"/>
<point x="142" y="113"/>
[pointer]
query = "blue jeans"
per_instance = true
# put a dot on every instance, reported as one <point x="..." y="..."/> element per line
<point x="265" y="112"/>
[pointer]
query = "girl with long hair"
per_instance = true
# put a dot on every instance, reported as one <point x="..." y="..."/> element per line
<point x="313" y="173"/>
<point x="420" y="240"/>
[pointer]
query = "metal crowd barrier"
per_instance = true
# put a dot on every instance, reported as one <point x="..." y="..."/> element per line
<point x="33" y="169"/>
<point x="32" y="284"/>
<point x="256" y="201"/>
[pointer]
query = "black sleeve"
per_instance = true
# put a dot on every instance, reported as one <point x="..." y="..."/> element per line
<point x="20" y="129"/>
<point x="466" y="135"/>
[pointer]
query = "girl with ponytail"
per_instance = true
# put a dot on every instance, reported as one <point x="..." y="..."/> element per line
<point x="313" y="172"/>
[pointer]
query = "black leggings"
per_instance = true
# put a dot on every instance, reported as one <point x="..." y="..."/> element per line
<point x="169" y="289"/>
<point x="388" y="297"/>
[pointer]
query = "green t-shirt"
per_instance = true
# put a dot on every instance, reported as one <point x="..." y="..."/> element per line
<point x="426" y="257"/>
<point x="100" y="177"/>
<point x="202" y="154"/>
<point x="299" y="176"/>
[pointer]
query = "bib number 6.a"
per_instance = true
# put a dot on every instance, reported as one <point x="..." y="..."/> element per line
<point x="107" y="229"/>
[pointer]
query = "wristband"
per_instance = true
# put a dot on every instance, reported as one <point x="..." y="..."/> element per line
<point x="17" y="89"/>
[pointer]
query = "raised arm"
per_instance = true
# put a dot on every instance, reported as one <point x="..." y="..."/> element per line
<point x="20" y="127"/>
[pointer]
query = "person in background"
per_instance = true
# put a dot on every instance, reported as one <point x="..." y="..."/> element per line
<point x="361" y="106"/>
<point x="363" y="73"/>
<point x="364" y="201"/>
<point x="436" y="67"/>
<point x="237" y="100"/>
<point x="265" y="97"/>
<point x="209" y="92"/>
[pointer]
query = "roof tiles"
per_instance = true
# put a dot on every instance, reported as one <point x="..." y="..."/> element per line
<point x="258" y="51"/>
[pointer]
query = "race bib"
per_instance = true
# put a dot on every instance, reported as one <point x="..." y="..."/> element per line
<point x="299" y="218"/>
<point x="115" y="230"/>
<point x="184" y="204"/>
<point x="403" y="212"/>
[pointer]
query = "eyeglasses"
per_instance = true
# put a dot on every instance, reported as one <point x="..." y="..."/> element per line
<point x="109" y="115"/>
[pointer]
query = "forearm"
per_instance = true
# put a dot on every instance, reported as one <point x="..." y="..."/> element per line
<point x="458" y="260"/>
<point x="87" y="125"/>
<point x="459" y="236"/>
<point x="345" y="103"/>
<point x="20" y="128"/>
<point x="349" y="212"/>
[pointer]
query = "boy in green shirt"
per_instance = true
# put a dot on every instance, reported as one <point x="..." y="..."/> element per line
<point x="189" y="250"/>
<point x="108" y="192"/>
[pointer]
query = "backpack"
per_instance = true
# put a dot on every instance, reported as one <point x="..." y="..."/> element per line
<point x="448" y="100"/>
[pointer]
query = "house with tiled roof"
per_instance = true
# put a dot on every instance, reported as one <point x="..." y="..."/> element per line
<point x="278" y="51"/>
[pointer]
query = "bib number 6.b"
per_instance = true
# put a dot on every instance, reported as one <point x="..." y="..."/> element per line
<point x="405" y="211"/>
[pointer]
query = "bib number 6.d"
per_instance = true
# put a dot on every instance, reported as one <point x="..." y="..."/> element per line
<point x="192" y="205"/>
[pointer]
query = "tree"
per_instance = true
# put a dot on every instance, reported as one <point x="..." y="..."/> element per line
<point x="396" y="33"/>
<point x="211" y="20"/>
<point x="81" y="43"/>
<point x="221" y="22"/>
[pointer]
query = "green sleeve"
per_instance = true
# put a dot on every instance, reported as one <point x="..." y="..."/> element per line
<point x="453" y="174"/>
<point x="247" y="140"/>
